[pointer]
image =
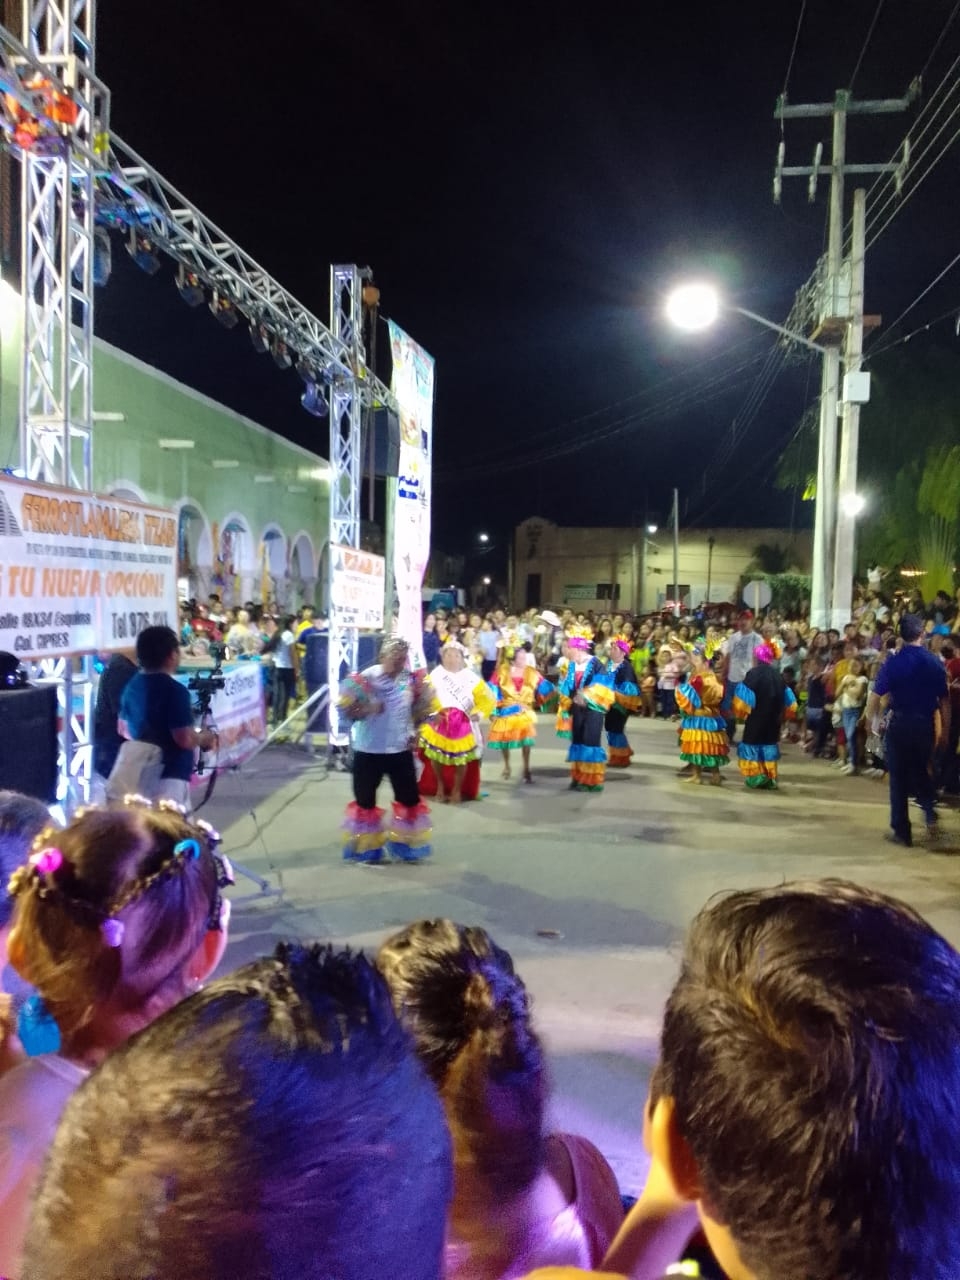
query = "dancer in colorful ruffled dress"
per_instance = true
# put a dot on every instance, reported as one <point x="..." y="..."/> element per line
<point x="519" y="689"/>
<point x="386" y="704"/>
<point x="762" y="699"/>
<point x="627" y="695"/>
<point x="590" y="690"/>
<point x="704" y="745"/>
<point x="451" y="745"/>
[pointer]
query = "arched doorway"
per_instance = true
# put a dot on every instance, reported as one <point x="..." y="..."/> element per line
<point x="303" y="570"/>
<point x="274" y="584"/>
<point x="194" y="550"/>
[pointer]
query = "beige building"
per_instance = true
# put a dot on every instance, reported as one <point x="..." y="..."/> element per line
<point x="597" y="568"/>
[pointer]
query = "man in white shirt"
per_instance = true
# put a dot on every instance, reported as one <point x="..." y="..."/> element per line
<point x="385" y="704"/>
<point x="737" y="659"/>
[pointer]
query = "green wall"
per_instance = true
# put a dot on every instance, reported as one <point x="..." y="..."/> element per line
<point x="287" y="515"/>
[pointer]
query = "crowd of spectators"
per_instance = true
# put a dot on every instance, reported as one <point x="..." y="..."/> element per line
<point x="320" y="1114"/>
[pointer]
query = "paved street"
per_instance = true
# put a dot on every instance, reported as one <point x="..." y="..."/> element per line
<point x="590" y="893"/>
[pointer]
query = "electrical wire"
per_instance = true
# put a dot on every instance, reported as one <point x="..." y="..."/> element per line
<point x="699" y="393"/>
<point x="915" y="187"/>
<point x="793" y="54"/>
<point x="651" y="389"/>
<point x="939" y="40"/>
<point x="883" y="347"/>
<point x="866" y="42"/>
<point x="919" y="298"/>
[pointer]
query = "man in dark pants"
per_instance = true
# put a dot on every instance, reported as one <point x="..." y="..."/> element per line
<point x="914" y="684"/>
<point x="385" y="705"/>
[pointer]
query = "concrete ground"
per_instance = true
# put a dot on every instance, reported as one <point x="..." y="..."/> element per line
<point x="590" y="893"/>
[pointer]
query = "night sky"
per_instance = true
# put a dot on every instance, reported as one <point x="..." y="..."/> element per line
<point x="526" y="180"/>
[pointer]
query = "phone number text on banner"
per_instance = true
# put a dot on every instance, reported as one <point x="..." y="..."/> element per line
<point x="80" y="572"/>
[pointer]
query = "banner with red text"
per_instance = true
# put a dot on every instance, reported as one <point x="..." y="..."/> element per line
<point x="356" y="592"/>
<point x="413" y="375"/>
<point x="80" y="572"/>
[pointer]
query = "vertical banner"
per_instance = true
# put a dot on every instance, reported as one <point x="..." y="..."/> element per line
<point x="413" y="386"/>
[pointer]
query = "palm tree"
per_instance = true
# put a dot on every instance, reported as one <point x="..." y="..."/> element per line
<point x="770" y="558"/>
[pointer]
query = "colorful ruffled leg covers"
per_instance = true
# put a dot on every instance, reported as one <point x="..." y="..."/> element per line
<point x="410" y="832"/>
<point x="364" y="836"/>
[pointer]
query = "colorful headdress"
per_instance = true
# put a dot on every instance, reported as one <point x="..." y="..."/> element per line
<point x="764" y="653"/>
<point x="394" y="644"/>
<point x="623" y="643"/>
<point x="580" y="638"/>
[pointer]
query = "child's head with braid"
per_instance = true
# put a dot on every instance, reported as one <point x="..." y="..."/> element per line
<point x="116" y="918"/>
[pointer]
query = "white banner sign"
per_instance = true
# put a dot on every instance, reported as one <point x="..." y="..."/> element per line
<point x="413" y="373"/>
<point x="357" y="590"/>
<point x="238" y="710"/>
<point x="81" y="573"/>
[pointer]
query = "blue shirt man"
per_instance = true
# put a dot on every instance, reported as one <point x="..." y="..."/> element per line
<point x="914" y="684"/>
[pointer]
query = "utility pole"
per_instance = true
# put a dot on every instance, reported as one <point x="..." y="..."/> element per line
<point x="834" y="313"/>
<point x="854" y="395"/>
<point x="676" y="553"/>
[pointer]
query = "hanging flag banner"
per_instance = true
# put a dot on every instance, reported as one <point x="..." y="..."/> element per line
<point x="357" y="589"/>
<point x="81" y="573"/>
<point x="413" y="376"/>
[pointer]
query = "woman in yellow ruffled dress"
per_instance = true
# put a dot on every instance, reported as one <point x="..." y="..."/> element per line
<point x="704" y="745"/>
<point x="520" y="688"/>
<point x="451" y="745"/>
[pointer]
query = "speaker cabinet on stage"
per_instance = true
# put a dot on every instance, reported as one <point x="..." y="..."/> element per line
<point x="28" y="741"/>
<point x="386" y="442"/>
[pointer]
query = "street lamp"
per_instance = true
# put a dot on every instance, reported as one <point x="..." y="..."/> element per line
<point x="695" y="307"/>
<point x="852" y="504"/>
<point x="484" y="537"/>
<point x="486" y="582"/>
<point x="651" y="529"/>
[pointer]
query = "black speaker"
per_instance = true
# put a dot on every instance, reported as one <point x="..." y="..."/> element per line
<point x="386" y="442"/>
<point x="28" y="741"/>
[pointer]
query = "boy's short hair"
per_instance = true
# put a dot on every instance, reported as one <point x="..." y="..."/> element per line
<point x="811" y="1046"/>
<point x="155" y="645"/>
<point x="276" y="1123"/>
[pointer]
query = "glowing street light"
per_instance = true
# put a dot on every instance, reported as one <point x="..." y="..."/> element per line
<point x="484" y="537"/>
<point x="693" y="307"/>
<point x="486" y="582"/>
<point x="652" y="529"/>
<point x="852" y="504"/>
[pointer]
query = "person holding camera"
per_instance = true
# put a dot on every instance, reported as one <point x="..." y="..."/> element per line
<point x="157" y="757"/>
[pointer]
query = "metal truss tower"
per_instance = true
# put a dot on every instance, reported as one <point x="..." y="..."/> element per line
<point x="346" y="322"/>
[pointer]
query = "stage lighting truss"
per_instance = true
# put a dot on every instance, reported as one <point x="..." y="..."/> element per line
<point x="259" y="337"/>
<point x="143" y="251"/>
<point x="280" y="351"/>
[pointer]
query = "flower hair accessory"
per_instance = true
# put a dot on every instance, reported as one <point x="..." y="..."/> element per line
<point x="113" y="931"/>
<point x="46" y="862"/>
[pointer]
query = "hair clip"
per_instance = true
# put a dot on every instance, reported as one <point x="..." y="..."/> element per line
<point x="133" y="800"/>
<point x="189" y="848"/>
<point x="37" y="1028"/>
<point x="46" y="861"/>
<point x="113" y="931"/>
<point x="212" y="835"/>
<point x="171" y="806"/>
<point x="225" y="876"/>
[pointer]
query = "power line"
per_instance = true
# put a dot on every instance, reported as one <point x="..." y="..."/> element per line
<point x="882" y="348"/>
<point x="919" y="298"/>
<point x="870" y="30"/>
<point x="708" y="390"/>
<point x="793" y="52"/>
<point x="916" y="185"/>
<point x="939" y="40"/>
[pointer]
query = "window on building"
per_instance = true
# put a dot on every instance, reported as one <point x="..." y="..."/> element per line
<point x="533" y="591"/>
<point x="608" y="591"/>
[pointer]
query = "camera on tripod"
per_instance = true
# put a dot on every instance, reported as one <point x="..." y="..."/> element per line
<point x="206" y="683"/>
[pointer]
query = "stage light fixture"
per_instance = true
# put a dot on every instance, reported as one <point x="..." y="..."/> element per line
<point x="102" y="257"/>
<point x="281" y="354"/>
<point x="224" y="310"/>
<point x="259" y="337"/>
<point x="143" y="252"/>
<point x="189" y="287"/>
<point x="307" y="371"/>
<point x="314" y="401"/>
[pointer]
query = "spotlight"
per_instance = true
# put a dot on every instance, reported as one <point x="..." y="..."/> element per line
<point x="259" y="337"/>
<point x="307" y="371"/>
<point x="143" y="252"/>
<point x="314" y="401"/>
<point x="102" y="257"/>
<point x="224" y="310"/>
<point x="281" y="354"/>
<point x="189" y="287"/>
